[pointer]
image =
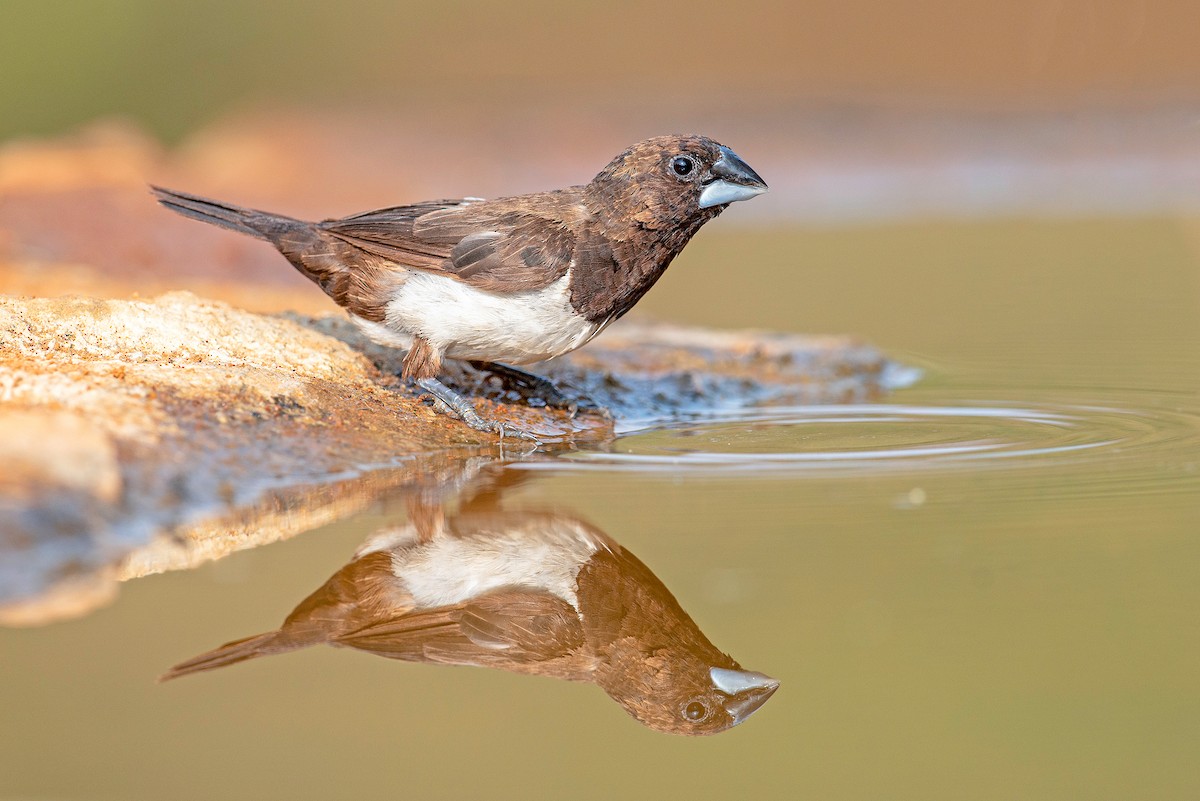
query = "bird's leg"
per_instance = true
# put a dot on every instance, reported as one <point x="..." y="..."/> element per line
<point x="423" y="362"/>
<point x="463" y="408"/>
<point x="538" y="385"/>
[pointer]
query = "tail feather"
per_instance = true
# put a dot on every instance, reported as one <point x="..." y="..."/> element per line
<point x="261" y="224"/>
<point x="231" y="653"/>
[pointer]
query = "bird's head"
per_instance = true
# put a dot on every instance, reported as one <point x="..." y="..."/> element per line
<point x="668" y="179"/>
<point x="676" y="691"/>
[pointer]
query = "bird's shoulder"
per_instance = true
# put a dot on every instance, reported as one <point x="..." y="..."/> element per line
<point x="615" y="583"/>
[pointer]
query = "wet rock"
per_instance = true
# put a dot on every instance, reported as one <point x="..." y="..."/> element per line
<point x="124" y="422"/>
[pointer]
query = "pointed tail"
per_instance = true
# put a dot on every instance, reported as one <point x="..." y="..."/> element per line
<point x="261" y="224"/>
<point x="233" y="652"/>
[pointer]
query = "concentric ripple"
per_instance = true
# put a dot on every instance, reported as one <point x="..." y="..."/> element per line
<point x="1161" y="436"/>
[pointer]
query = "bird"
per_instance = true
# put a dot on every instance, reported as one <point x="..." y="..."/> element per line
<point x="528" y="592"/>
<point x="508" y="281"/>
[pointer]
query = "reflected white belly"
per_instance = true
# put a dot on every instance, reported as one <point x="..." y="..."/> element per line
<point x="528" y="551"/>
<point x="468" y="323"/>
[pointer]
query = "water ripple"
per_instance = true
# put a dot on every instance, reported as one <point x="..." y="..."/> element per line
<point x="1126" y="441"/>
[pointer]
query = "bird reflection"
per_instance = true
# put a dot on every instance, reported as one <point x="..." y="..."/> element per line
<point x="537" y="593"/>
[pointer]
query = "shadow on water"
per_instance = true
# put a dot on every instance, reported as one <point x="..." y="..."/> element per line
<point x="544" y="594"/>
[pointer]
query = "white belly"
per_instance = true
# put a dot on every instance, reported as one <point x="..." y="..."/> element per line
<point x="524" y="550"/>
<point x="468" y="323"/>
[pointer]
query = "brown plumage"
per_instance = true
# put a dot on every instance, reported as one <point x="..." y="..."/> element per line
<point x="518" y="279"/>
<point x="530" y="593"/>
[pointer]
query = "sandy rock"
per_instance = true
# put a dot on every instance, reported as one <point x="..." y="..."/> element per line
<point x="123" y="421"/>
<point x="82" y="459"/>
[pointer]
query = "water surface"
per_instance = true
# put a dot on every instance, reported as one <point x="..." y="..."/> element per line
<point x="984" y="586"/>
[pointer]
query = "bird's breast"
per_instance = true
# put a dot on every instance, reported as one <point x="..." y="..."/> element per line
<point x="468" y="323"/>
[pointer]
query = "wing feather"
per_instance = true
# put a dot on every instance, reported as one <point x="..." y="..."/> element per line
<point x="504" y="627"/>
<point x="507" y="245"/>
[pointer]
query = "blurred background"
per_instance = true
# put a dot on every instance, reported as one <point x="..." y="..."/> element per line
<point x="176" y="66"/>
<point x="1005" y="194"/>
<point x="856" y="108"/>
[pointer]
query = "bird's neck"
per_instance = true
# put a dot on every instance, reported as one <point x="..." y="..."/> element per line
<point x="641" y="242"/>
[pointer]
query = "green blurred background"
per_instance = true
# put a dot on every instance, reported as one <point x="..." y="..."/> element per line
<point x="174" y="65"/>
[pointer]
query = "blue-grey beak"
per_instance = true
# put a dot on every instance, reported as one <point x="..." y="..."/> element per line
<point x="732" y="180"/>
<point x="747" y="691"/>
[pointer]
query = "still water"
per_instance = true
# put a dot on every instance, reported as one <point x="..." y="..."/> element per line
<point x="984" y="586"/>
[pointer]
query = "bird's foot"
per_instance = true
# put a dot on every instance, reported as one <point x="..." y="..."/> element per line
<point x="541" y="387"/>
<point x="462" y="408"/>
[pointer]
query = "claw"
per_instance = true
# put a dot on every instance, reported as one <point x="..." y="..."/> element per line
<point x="512" y="431"/>
<point x="462" y="408"/>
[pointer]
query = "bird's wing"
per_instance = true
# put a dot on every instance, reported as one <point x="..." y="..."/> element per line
<point x="388" y="233"/>
<point x="507" y="245"/>
<point x="363" y="591"/>
<point x="504" y="627"/>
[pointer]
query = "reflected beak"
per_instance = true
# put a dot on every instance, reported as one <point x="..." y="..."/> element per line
<point x="732" y="180"/>
<point x="747" y="690"/>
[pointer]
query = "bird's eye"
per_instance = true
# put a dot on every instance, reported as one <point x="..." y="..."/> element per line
<point x="695" y="711"/>
<point x="683" y="166"/>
